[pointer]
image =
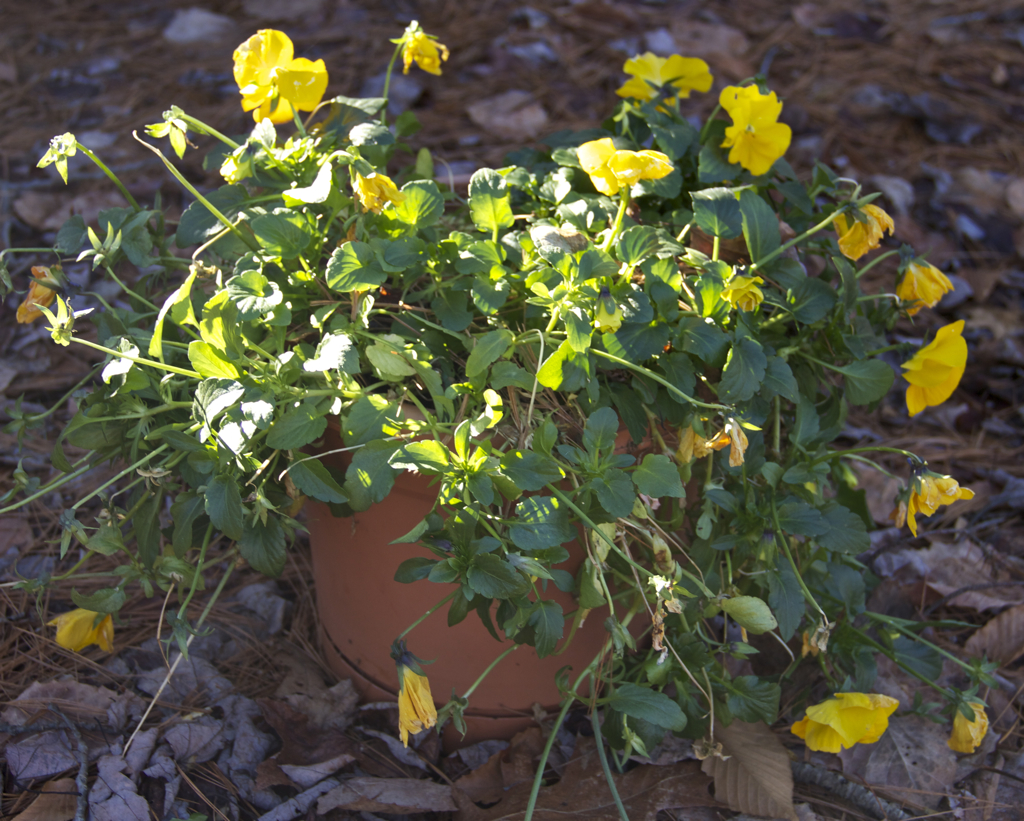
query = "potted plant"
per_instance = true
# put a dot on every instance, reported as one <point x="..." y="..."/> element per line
<point x="640" y="342"/>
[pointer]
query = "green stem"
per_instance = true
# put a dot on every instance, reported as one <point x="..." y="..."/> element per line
<point x="203" y="128"/>
<point x="63" y="480"/>
<point x="137" y="359"/>
<point x="879" y="449"/>
<point x="110" y="174"/>
<point x="430" y="612"/>
<point x="196" y="576"/>
<point x="596" y="724"/>
<point x="875" y="262"/>
<point x="129" y="291"/>
<point x="715" y="247"/>
<point x="777" y="427"/>
<point x="915" y="637"/>
<point x="490" y="667"/>
<point x="707" y="124"/>
<point x="889" y="654"/>
<point x="542" y="764"/>
<point x="660" y="380"/>
<point x="298" y="123"/>
<point x="619" y="216"/>
<point x="781" y="539"/>
<point x="60" y="402"/>
<point x="122" y="474"/>
<point x="387" y="83"/>
<point x="825" y="223"/>
<point x="6" y="251"/>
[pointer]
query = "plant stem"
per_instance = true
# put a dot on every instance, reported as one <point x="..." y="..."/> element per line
<point x="879" y="449"/>
<point x="387" y="83"/>
<point x="203" y="128"/>
<point x="619" y="216"/>
<point x="120" y="475"/>
<point x="113" y="177"/>
<point x="129" y="291"/>
<point x="63" y="480"/>
<point x="874" y="645"/>
<point x="60" y="402"/>
<point x="660" y="380"/>
<point x="137" y="359"/>
<point x="914" y="636"/>
<point x="430" y="612"/>
<point x="542" y="764"/>
<point x="596" y="724"/>
<point x="875" y="262"/>
<point x="490" y="667"/>
<point x="781" y="539"/>
<point x="825" y="223"/>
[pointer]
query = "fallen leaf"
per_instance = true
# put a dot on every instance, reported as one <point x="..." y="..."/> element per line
<point x="756" y="777"/>
<point x="40" y="756"/>
<point x="879" y="492"/>
<point x="305" y="776"/>
<point x="14" y="532"/>
<point x="113" y="796"/>
<point x="583" y="794"/>
<point x="1002" y="639"/>
<point x="390" y="795"/>
<point x="57" y="801"/>
<point x="270" y="774"/>
<point x="911" y="762"/>
<point x="198" y="740"/>
<point x="519" y="761"/>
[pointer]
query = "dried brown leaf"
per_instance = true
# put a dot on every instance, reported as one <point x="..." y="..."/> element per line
<point x="484" y="784"/>
<point x="756" y="778"/>
<point x="1002" y="639"/>
<point x="389" y="795"/>
<point x="582" y="793"/>
<point x="911" y="762"/>
<point x="56" y="802"/>
<point x="519" y="761"/>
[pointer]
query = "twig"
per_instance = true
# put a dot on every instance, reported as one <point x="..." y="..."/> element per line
<point x="861" y="797"/>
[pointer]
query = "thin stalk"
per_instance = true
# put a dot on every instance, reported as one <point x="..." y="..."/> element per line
<point x="129" y="291"/>
<point x="121" y="475"/>
<point x="60" y="402"/>
<point x="298" y="122"/>
<point x="195" y="578"/>
<point x="387" y="83"/>
<point x="7" y="251"/>
<point x="780" y="537"/>
<point x="879" y="449"/>
<point x="137" y="359"/>
<point x="490" y="667"/>
<point x="539" y="777"/>
<point x="825" y="223"/>
<point x="874" y="645"/>
<point x="912" y="635"/>
<point x="875" y="262"/>
<point x="619" y="216"/>
<point x="430" y="612"/>
<point x="113" y="177"/>
<point x="596" y="724"/>
<point x="660" y="380"/>
<point x="203" y="128"/>
<point x="48" y="488"/>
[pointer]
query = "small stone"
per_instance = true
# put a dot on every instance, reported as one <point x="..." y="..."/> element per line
<point x="969" y="228"/>
<point x="983" y="190"/>
<point x="1015" y="197"/>
<point x="625" y="45"/>
<point x="534" y="18"/>
<point x="661" y="42"/>
<point x="1000" y="75"/>
<point x="962" y="291"/>
<point x="514" y="115"/>
<point x="402" y="95"/>
<point x="195" y="25"/>
<point x="897" y="190"/>
<point x="535" y="54"/>
<point x="102" y="65"/>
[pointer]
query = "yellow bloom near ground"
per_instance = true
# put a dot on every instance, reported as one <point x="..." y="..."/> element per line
<point x="651" y="73"/>
<point x="79" y="628"/>
<point x="923" y="285"/>
<point x="426" y="53"/>
<point x="742" y="292"/>
<point x="936" y="369"/>
<point x="416" y="711"/>
<point x="755" y="139"/>
<point x="611" y="169"/>
<point x="376" y="191"/>
<point x="930" y="491"/>
<point x="273" y="83"/>
<point x="967" y="735"/>
<point x="844" y="720"/>
<point x="38" y="294"/>
<point x="856" y="238"/>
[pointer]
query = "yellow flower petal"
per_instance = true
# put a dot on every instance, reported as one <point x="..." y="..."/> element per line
<point x="756" y="139"/>
<point x="594" y="157"/>
<point x="416" y="710"/>
<point x="968" y="735"/>
<point x="844" y="720"/>
<point x="923" y="285"/>
<point x="742" y="292"/>
<point x="426" y="53"/>
<point x="267" y="71"/>
<point x="78" y="628"/>
<point x="856" y="238"/>
<point x="376" y="191"/>
<point x="38" y="294"/>
<point x="936" y="369"/>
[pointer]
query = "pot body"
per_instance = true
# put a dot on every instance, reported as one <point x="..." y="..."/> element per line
<point x="363" y="609"/>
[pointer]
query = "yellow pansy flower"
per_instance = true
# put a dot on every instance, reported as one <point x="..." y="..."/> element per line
<point x="732" y="434"/>
<point x="923" y="285"/>
<point x="608" y="316"/>
<point x="844" y="720"/>
<point x="420" y="48"/>
<point x="376" y="191"/>
<point x="928" y="492"/>
<point x="742" y="292"/>
<point x="611" y="169"/>
<point x="79" y="628"/>
<point x="416" y="711"/>
<point x="274" y="83"/>
<point x="755" y="139"/>
<point x="651" y="72"/>
<point x="856" y="238"/>
<point x="935" y="370"/>
<point x="967" y="735"/>
<point x="38" y="294"/>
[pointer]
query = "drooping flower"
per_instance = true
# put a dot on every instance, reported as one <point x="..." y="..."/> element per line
<point x="732" y="434"/>
<point x="742" y="292"/>
<point x="844" y="720"/>
<point x="935" y="370"/>
<point x="416" y="710"/>
<point x="237" y="166"/>
<point x="79" y="628"/>
<point x="923" y="285"/>
<point x="421" y="48"/>
<point x="611" y="169"/>
<point x="608" y="316"/>
<point x="967" y="735"/>
<point x="38" y="294"/>
<point x="272" y="81"/>
<point x="651" y="73"/>
<point x="756" y="139"/>
<point x="376" y="191"/>
<point x="928" y="492"/>
<point x="858" y="236"/>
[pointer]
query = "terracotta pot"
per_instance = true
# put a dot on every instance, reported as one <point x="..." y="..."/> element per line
<point x="362" y="610"/>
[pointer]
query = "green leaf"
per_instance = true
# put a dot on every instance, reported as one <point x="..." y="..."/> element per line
<point x="224" y="506"/>
<point x="675" y="138"/>
<point x="786" y="599"/>
<point x="779" y="380"/>
<point x="336" y="352"/>
<point x="315" y="193"/>
<point x="490" y="295"/>
<point x="108" y="600"/>
<point x="678" y="369"/>
<point x="552" y="372"/>
<point x="548" y="624"/>
<point x="423" y="204"/>
<point x="253" y="294"/>
<point x="600" y="432"/>
<point x="704" y="339"/>
<point x="717" y="212"/>
<point x="208" y="361"/>
<point x="388" y="355"/>
<point x="744" y="371"/>
<point x="637" y="341"/>
<point x="489" y="201"/>
<point x="812" y="300"/>
<point x="413" y="570"/>
<point x="489" y="348"/>
<point x="493" y="578"/>
<point x="750" y="613"/>
<point x="579" y="329"/>
<point x="657" y="476"/>
<point x="801" y="519"/>
<point x="807" y="424"/>
<point x="198" y="225"/>
<point x="760" y="225"/>
<point x="753" y="700"/>
<point x="185" y="511"/>
<point x="867" y="381"/>
<point x="649" y="705"/>
<point x="107" y="540"/>
<point x="297" y="428"/>
<point x="541" y="522"/>
<point x="354" y="267"/>
<point x="370" y="476"/>
<point x="530" y="470"/>
<point x="615" y="492"/>
<point x="847" y="585"/>
<point x="71" y="236"/>
<point x="430" y="456"/>
<point x="636" y="244"/>
<point x="847" y="532"/>
<point x="263" y="546"/>
<point x="371" y="417"/>
<point x="713" y="166"/>
<point x="312" y="478"/>
<point x="147" y="529"/>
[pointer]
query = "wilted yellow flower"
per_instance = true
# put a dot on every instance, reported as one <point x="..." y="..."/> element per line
<point x="967" y="735"/>
<point x="272" y="81"/>
<point x="755" y="139"/>
<point x="732" y="434"/>
<point x="79" y="628"/>
<point x="608" y="316"/>
<point x="807" y="647"/>
<point x="416" y="709"/>
<point x="928" y="492"/>
<point x="844" y="720"/>
<point x="922" y="285"/>
<point x="935" y="370"/>
<point x="856" y="238"/>
<point x="742" y="292"/>
<point x="420" y="48"/>
<point x="611" y="169"/>
<point x="376" y="191"/>
<point x="651" y="72"/>
<point x="38" y="294"/>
